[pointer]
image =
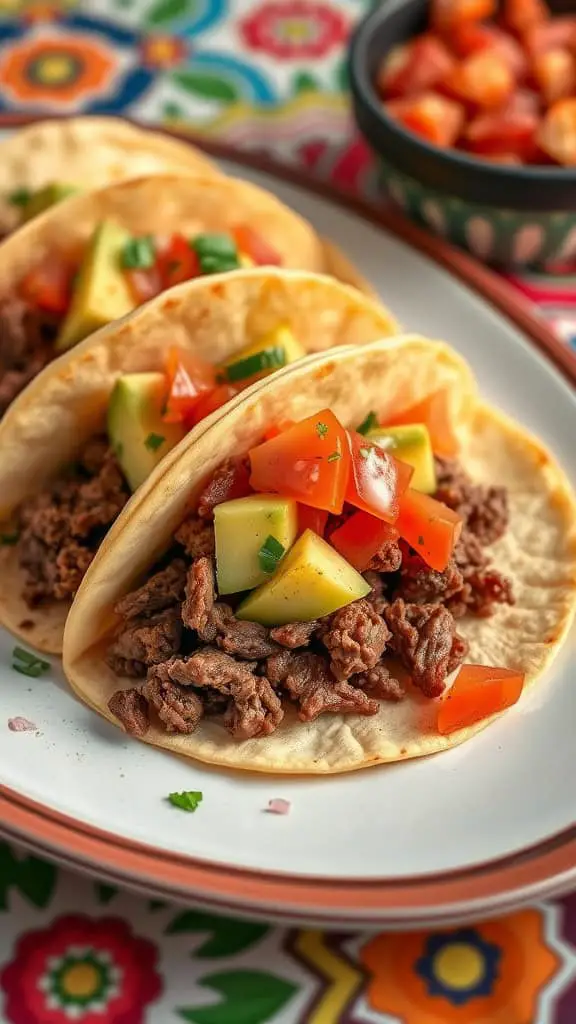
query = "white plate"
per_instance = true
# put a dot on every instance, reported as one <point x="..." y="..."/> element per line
<point x="368" y="835"/>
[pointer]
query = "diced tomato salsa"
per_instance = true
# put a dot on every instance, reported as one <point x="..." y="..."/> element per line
<point x="497" y="81"/>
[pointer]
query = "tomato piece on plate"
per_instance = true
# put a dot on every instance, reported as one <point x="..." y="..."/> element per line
<point x="414" y="67"/>
<point x="250" y="243"/>
<point x="557" y="133"/>
<point x="521" y="15"/>
<point x="144" y="284"/>
<point x="377" y="480"/>
<point x="211" y="401"/>
<point x="429" y="526"/>
<point x="556" y="34"/>
<point x="314" y="519"/>
<point x="48" y="287"/>
<point x="483" y="80"/>
<point x="470" y="37"/>
<point x="555" y="73"/>
<point x="437" y="119"/>
<point x="434" y="412"/>
<point x="310" y="462"/>
<point x="361" y="537"/>
<point x="177" y="261"/>
<point x="188" y="379"/>
<point x="478" y="692"/>
<point x="502" y="133"/>
<point x="445" y="14"/>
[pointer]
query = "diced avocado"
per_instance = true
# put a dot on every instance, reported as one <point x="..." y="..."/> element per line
<point x="101" y="293"/>
<point x="410" y="443"/>
<point x="137" y="432"/>
<point x="273" y="350"/>
<point x="312" y="580"/>
<point x="241" y="527"/>
<point x="46" y="197"/>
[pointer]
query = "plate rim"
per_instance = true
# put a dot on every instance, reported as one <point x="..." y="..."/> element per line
<point x="548" y="867"/>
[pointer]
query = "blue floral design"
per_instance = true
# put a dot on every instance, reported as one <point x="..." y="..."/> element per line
<point x="426" y="966"/>
<point x="249" y="80"/>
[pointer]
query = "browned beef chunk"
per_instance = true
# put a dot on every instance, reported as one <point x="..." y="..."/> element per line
<point x="196" y="537"/>
<point x="177" y="706"/>
<point x="458" y="652"/>
<point x="483" y="509"/>
<point x="162" y="590"/>
<point x="131" y="709"/>
<point x="254" y="709"/>
<point x="230" y="480"/>
<point x="377" y="595"/>
<point x="26" y="346"/>
<point x="197" y="610"/>
<point x="247" y="640"/>
<point x="377" y="682"/>
<point x="388" y="558"/>
<point x="419" y="584"/>
<point x="306" y="677"/>
<point x="148" y="641"/>
<point x="61" y="527"/>
<point x="422" y="637"/>
<point x="483" y="587"/>
<point x="355" y="637"/>
<point x="294" y="634"/>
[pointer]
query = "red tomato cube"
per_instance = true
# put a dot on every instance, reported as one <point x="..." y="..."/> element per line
<point x="504" y="159"/>
<point x="521" y="15"/>
<point x="437" y="119"/>
<point x="446" y="14"/>
<point x="483" y="80"/>
<point x="558" y="33"/>
<point x="414" y="67"/>
<point x="555" y="72"/>
<point x="501" y="133"/>
<point x="557" y="134"/>
<point x="469" y="38"/>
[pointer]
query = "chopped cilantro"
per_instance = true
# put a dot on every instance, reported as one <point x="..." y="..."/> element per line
<point x="270" y="554"/>
<point x="20" y="197"/>
<point x="154" y="441"/>
<point x="139" y="254"/>
<point x="365" y="452"/>
<point x="368" y="424"/>
<point x="27" y="663"/>
<point x="9" y="539"/>
<point x="186" y="801"/>
<point x="321" y="430"/>
<point x="334" y="456"/>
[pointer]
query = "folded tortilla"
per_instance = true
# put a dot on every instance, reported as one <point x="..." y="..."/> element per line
<point x="89" y="152"/>
<point x="538" y="552"/>
<point x="212" y="317"/>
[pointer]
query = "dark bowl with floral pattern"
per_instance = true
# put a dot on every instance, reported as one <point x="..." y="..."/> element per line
<point x="504" y="215"/>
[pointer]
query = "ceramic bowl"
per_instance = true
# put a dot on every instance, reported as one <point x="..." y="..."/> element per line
<point x="506" y="216"/>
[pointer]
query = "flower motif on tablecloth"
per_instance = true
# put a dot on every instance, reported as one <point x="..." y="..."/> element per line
<point x="493" y="973"/>
<point x="58" y="70"/>
<point x="81" y="969"/>
<point x="163" y="51"/>
<point x="290" y="29"/>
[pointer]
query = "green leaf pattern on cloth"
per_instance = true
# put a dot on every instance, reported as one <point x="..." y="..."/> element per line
<point x="226" y="937"/>
<point x="33" y="878"/>
<point x="250" y="997"/>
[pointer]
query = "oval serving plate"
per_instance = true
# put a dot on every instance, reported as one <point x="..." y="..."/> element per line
<point x="478" y="829"/>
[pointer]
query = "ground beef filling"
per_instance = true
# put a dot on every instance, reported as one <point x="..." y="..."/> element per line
<point x="61" y="528"/>
<point x="27" y="337"/>
<point x="194" y="659"/>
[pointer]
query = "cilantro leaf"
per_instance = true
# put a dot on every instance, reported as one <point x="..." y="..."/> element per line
<point x="187" y="800"/>
<point x="321" y="430"/>
<point x="270" y="554"/>
<point x="9" y="539"/>
<point x="20" y="197"/>
<point x="368" y="424"/>
<point x="334" y="456"/>
<point x="154" y="441"/>
<point x="139" y="254"/>
<point x="28" y="663"/>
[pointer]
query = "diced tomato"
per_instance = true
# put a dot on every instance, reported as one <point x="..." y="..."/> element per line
<point x="361" y="537"/>
<point x="314" y="519"/>
<point x="483" y="80"/>
<point x="144" y="284"/>
<point x="503" y="133"/>
<point x="524" y="101"/>
<point x="310" y="462"/>
<point x="477" y="693"/>
<point x="445" y="14"/>
<point x="48" y="287"/>
<point x="414" y="67"/>
<point x="555" y="73"/>
<point x="377" y="480"/>
<point x="434" y="412"/>
<point x="429" y="526"/>
<point x="504" y="159"/>
<point x="210" y="402"/>
<point x="437" y="119"/>
<point x="521" y="15"/>
<point x="555" y="34"/>
<point x="176" y="262"/>
<point x="251" y="244"/>
<point x="188" y="379"/>
<point x="227" y="483"/>
<point x="277" y="428"/>
<point x="557" y="134"/>
<point x="470" y="37"/>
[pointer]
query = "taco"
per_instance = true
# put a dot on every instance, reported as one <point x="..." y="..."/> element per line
<point x="48" y="161"/>
<point x="392" y="531"/>
<point x="91" y="427"/>
<point x="95" y="257"/>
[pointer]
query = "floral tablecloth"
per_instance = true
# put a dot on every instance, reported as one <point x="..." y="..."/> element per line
<point x="262" y="75"/>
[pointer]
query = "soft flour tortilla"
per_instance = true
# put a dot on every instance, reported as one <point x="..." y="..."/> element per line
<point x="89" y="152"/>
<point x="538" y="552"/>
<point x="213" y="317"/>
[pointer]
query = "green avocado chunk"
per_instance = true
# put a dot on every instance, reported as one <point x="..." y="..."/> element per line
<point x="45" y="197"/>
<point x="241" y="528"/>
<point x="410" y="443"/>
<point x="137" y="432"/>
<point x="101" y="293"/>
<point x="312" y="580"/>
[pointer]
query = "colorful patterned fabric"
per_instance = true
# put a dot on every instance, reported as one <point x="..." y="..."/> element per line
<point x="263" y="75"/>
